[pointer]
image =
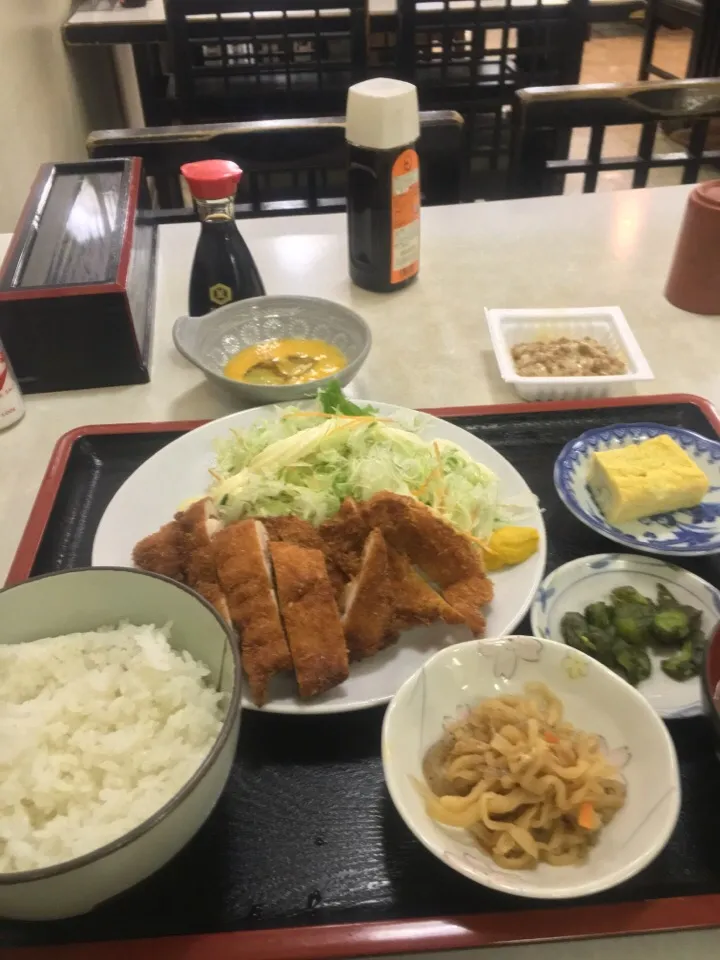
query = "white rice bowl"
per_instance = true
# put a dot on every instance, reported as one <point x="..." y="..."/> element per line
<point x="98" y="731"/>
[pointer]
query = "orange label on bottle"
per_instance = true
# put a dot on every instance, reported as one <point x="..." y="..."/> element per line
<point x="405" y="240"/>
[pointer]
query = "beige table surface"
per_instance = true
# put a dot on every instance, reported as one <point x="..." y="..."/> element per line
<point x="431" y="348"/>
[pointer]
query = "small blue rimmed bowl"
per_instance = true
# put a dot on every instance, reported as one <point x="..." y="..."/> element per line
<point x="574" y="585"/>
<point x="694" y="532"/>
<point x="210" y="341"/>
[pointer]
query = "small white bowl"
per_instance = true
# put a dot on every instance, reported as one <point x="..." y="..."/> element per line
<point x="607" y="325"/>
<point x="574" y="585"/>
<point x="210" y="341"/>
<point x="595" y="699"/>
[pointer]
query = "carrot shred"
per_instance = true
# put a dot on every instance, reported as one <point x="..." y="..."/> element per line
<point x="586" y="816"/>
<point x="550" y="737"/>
<point x="426" y="482"/>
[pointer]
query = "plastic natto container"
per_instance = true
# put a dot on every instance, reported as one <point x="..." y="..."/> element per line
<point x="607" y="325"/>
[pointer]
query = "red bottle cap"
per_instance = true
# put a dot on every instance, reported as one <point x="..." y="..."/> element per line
<point x="212" y="179"/>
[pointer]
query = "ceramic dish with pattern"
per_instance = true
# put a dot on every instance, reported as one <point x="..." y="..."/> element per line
<point x="210" y="341"/>
<point x="590" y="579"/>
<point x="595" y="700"/>
<point x="693" y="532"/>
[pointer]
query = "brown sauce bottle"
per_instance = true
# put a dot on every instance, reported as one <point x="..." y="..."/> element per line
<point x="383" y="193"/>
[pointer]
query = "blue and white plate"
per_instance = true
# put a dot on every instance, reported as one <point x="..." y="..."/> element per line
<point x="574" y="585"/>
<point x="690" y="533"/>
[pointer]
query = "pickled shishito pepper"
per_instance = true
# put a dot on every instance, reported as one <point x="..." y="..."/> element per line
<point x="622" y="629"/>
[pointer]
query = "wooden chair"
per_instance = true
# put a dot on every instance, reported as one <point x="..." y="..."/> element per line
<point x="290" y="166"/>
<point x="537" y="169"/>
<point x="669" y="13"/>
<point x="233" y="60"/>
<point x="473" y="55"/>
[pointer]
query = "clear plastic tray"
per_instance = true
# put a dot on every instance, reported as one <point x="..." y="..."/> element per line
<point x="607" y="325"/>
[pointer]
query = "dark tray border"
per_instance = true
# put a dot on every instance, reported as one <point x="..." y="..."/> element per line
<point x="340" y="941"/>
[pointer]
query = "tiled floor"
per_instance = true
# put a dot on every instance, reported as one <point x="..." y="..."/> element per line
<point x="613" y="59"/>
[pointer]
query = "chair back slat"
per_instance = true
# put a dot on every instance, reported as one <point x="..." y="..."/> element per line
<point x="472" y="56"/>
<point x="290" y="166"/>
<point x="484" y="47"/>
<point x="538" y="165"/>
<point x="295" y="57"/>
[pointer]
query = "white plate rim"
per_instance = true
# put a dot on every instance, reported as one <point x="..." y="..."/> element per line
<point x="222" y="426"/>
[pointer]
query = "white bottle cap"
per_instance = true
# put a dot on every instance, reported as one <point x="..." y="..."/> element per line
<point x="382" y="114"/>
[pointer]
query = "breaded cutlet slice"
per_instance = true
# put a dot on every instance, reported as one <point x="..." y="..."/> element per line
<point x="344" y="537"/>
<point x="242" y="557"/>
<point x="295" y="530"/>
<point x="369" y="606"/>
<point x="162" y="552"/>
<point x="467" y="596"/>
<point x="415" y="603"/>
<point x="198" y="524"/>
<point x="311" y="618"/>
<point x="445" y="556"/>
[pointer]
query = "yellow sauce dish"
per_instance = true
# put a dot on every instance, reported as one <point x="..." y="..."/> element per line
<point x="284" y="362"/>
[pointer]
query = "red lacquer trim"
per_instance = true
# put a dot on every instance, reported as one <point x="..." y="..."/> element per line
<point x="30" y="540"/>
<point x="341" y="941"/>
<point x="40" y="513"/>
<point x="90" y="289"/>
<point x="548" y="406"/>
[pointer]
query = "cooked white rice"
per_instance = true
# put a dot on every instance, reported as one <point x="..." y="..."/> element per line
<point x="97" y="731"/>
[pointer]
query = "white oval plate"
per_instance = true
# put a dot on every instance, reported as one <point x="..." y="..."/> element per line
<point x="179" y="471"/>
<point x="594" y="699"/>
<point x="580" y="582"/>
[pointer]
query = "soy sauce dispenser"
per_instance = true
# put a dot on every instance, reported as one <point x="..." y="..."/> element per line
<point x="383" y="208"/>
<point x="223" y="269"/>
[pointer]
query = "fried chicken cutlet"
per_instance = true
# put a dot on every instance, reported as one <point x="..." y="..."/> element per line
<point x="414" y="601"/>
<point x="242" y="557"/>
<point x="311" y="618"/>
<point x="162" y="552"/>
<point x="198" y="524"/>
<point x="445" y="556"/>
<point x="289" y="529"/>
<point x="369" y="605"/>
<point x="344" y="537"/>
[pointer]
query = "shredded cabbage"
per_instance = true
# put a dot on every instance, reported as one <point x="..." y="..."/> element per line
<point x="306" y="466"/>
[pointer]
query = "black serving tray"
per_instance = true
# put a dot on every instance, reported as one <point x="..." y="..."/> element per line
<point x="305" y="835"/>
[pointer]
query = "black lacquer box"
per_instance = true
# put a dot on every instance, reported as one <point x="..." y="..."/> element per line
<point x="77" y="284"/>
